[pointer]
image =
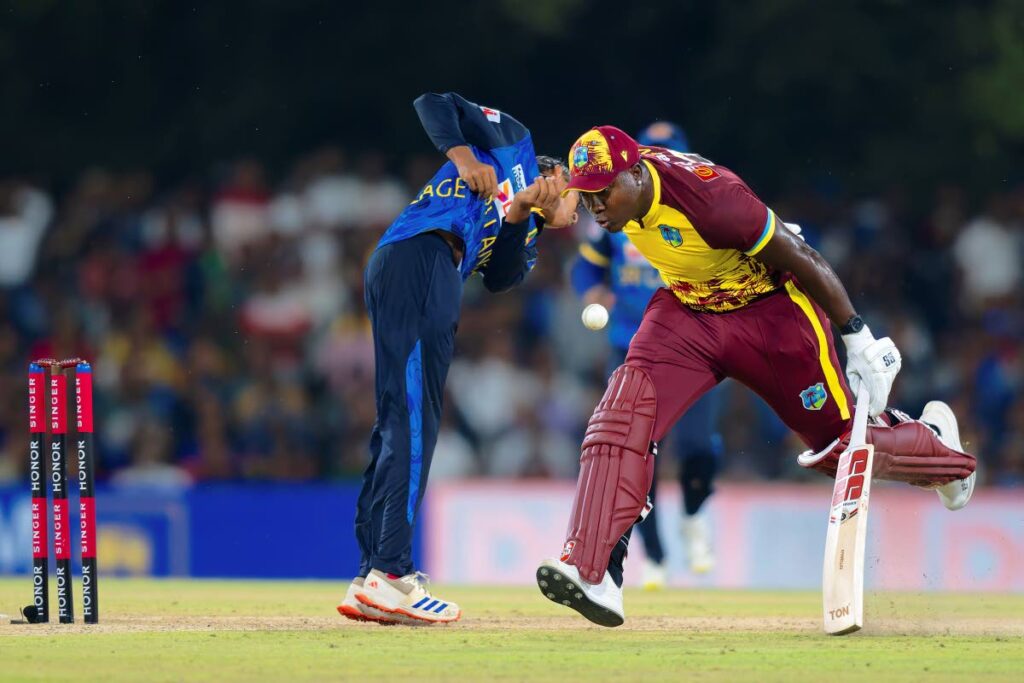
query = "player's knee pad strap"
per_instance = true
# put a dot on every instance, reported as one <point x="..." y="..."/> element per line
<point x="826" y="460"/>
<point x="616" y="469"/>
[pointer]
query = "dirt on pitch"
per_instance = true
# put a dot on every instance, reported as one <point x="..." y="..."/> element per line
<point x="973" y="626"/>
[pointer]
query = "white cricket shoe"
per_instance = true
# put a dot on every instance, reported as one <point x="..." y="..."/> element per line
<point x="655" y="575"/>
<point x="351" y="608"/>
<point x="600" y="603"/>
<point x="406" y="599"/>
<point x="697" y="534"/>
<point x="955" y="494"/>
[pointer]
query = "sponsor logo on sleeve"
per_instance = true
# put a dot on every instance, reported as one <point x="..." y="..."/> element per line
<point x="518" y="178"/>
<point x="705" y="173"/>
<point x="493" y="115"/>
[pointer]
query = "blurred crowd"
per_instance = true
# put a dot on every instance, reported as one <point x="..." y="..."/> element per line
<point x="224" y="318"/>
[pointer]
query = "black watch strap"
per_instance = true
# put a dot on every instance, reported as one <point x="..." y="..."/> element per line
<point x="854" y="325"/>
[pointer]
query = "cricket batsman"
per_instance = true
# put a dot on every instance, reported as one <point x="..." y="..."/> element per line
<point x="482" y="213"/>
<point x="745" y="299"/>
<point x="611" y="271"/>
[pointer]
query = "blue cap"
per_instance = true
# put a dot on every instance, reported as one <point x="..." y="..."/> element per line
<point x="664" y="134"/>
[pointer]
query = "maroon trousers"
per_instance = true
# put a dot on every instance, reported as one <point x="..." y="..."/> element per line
<point x="780" y="346"/>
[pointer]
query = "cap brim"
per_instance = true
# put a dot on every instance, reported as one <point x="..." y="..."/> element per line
<point x="590" y="183"/>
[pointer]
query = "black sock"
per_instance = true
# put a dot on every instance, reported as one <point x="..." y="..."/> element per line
<point x="696" y="475"/>
<point x="648" y="529"/>
<point x="618" y="558"/>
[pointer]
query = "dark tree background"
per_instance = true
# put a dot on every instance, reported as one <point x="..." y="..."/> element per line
<point x="786" y="91"/>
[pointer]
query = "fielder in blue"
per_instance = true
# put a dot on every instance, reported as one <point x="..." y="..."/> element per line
<point x="482" y="212"/>
<point x="611" y="271"/>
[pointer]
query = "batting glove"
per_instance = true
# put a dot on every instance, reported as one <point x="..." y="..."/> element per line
<point x="873" y="362"/>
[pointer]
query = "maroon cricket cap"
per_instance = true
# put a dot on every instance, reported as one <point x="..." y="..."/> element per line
<point x="598" y="156"/>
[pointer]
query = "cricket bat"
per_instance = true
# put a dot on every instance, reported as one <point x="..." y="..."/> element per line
<point x="843" y="575"/>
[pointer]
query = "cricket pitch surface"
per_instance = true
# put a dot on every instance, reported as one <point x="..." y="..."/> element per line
<point x="198" y="630"/>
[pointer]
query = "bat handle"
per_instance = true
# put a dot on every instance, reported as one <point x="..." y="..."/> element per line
<point x="858" y="436"/>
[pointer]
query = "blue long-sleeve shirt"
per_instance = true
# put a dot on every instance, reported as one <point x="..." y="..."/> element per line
<point x="502" y="252"/>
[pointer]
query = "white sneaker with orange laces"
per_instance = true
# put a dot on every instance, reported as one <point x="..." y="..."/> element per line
<point x="406" y="598"/>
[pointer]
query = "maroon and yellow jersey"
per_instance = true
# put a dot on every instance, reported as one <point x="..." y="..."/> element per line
<point x="702" y="231"/>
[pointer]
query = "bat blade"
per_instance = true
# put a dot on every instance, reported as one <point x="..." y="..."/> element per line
<point x="843" y="572"/>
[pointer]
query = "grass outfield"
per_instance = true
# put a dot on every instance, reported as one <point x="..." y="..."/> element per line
<point x="247" y="630"/>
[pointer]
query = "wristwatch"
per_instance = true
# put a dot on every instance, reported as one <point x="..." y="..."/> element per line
<point x="854" y="325"/>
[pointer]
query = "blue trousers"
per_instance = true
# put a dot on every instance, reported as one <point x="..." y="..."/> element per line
<point x="698" y="445"/>
<point x="413" y="293"/>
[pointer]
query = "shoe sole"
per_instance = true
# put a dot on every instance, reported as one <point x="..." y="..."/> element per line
<point x="560" y="589"/>
<point x="354" y="614"/>
<point x="419" y="621"/>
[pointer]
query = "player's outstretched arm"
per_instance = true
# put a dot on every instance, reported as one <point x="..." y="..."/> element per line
<point x="451" y="120"/>
<point x="453" y="123"/>
<point x="870" y="360"/>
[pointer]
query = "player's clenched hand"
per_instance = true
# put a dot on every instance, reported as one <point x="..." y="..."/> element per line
<point x="545" y="195"/>
<point x="480" y="177"/>
<point x="874" y="362"/>
<point x="549" y="192"/>
<point x="524" y="200"/>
